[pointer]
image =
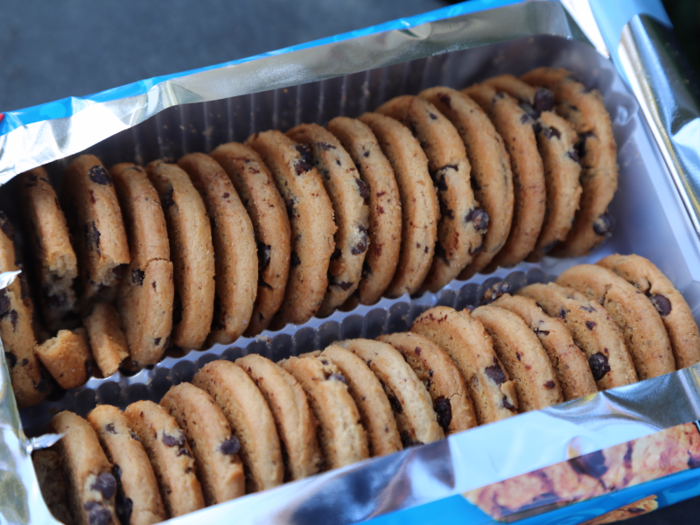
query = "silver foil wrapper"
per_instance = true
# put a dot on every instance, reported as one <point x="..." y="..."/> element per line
<point x="199" y="111"/>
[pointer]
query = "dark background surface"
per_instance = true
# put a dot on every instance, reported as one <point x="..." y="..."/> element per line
<point x="52" y="50"/>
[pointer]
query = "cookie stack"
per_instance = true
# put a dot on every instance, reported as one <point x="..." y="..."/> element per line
<point x="132" y="261"/>
<point x="251" y="425"/>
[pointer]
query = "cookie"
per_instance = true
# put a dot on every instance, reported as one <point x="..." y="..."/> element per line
<point x="296" y="424"/>
<point x="515" y="126"/>
<point x="138" y="500"/>
<point x="669" y="302"/>
<point x="234" y="248"/>
<point x="384" y="202"/>
<point x="91" y="485"/>
<point x="311" y="218"/>
<point x="347" y="192"/>
<point x="268" y="214"/>
<point x="522" y="355"/>
<point x="192" y="252"/>
<point x="170" y="456"/>
<point x="371" y="400"/>
<point x="597" y="151"/>
<point x="491" y="174"/>
<point x="413" y="408"/>
<point x="16" y="329"/>
<point x="466" y="341"/>
<point x="106" y="338"/>
<point x="594" y="332"/>
<point x="459" y="239"/>
<point x="341" y="435"/>
<point x="250" y="419"/>
<point x="47" y="465"/>
<point x="147" y="292"/>
<point x="569" y="361"/>
<point x="420" y="212"/>
<point x="534" y="100"/>
<point x="55" y="263"/>
<point x="95" y="219"/>
<point x="213" y="445"/>
<point x="441" y="377"/>
<point x="67" y="357"/>
<point x="645" y="336"/>
<point x="634" y="509"/>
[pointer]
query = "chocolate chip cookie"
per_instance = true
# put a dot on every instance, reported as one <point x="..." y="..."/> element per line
<point x="645" y="336"/>
<point x="419" y="204"/>
<point x="234" y="248"/>
<point x="213" y="445"/>
<point x="147" y="292"/>
<point x="67" y="357"/>
<point x="192" y="251"/>
<point x="382" y="195"/>
<point x="170" y="455"/>
<point x="347" y="192"/>
<point x="669" y="302"/>
<point x="268" y="214"/>
<point x="296" y="424"/>
<point x="491" y="175"/>
<point x="465" y="339"/>
<point x="594" y="332"/>
<point x="310" y="214"/>
<point x="106" y="338"/>
<point x="138" y="500"/>
<point x="458" y="238"/>
<point x="441" y="377"/>
<point x="250" y="419"/>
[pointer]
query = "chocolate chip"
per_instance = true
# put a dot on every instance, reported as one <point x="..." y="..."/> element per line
<point x="363" y="243"/>
<point x="6" y="226"/>
<point x="294" y="260"/>
<point x="541" y="332"/>
<point x="599" y="365"/>
<point x="480" y="219"/>
<point x="156" y="341"/>
<point x="105" y="484"/>
<point x="14" y="317"/>
<point x="304" y="151"/>
<point x="183" y="452"/>
<point x="395" y="403"/>
<point x="325" y="146"/>
<point x="362" y="188"/>
<point x="530" y="113"/>
<point x="99" y="175"/>
<point x="366" y="154"/>
<point x="445" y="99"/>
<point x="418" y="350"/>
<point x="167" y="199"/>
<point x="230" y="446"/>
<point x="301" y="166"/>
<point x="170" y="441"/>
<point x="342" y="284"/>
<point x="549" y="384"/>
<point x="338" y="377"/>
<point x="99" y="515"/>
<point x="544" y="100"/>
<point x="496" y="291"/>
<point x="109" y="427"/>
<point x="443" y="410"/>
<point x="137" y="276"/>
<point x="693" y="462"/>
<point x="661" y="303"/>
<point x="476" y="249"/>
<point x="10" y="359"/>
<point x="495" y="373"/>
<point x="581" y="144"/>
<point x="507" y="405"/>
<point x="590" y="325"/>
<point x="562" y="313"/>
<point x="604" y="224"/>
<point x="264" y="252"/>
<point x="432" y="115"/>
<point x="439" y="179"/>
<point x="592" y="464"/>
<point x="573" y="155"/>
<point x="525" y="118"/>
<point x="95" y="237"/>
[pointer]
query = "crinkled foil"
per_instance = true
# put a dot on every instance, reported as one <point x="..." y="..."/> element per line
<point x="351" y="77"/>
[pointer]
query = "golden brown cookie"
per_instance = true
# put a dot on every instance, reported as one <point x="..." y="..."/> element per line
<point x="597" y="151"/>
<point x="213" y="445"/>
<point x="459" y="237"/>
<point x="342" y="438"/>
<point x="91" y="485"/>
<point x="645" y="336"/>
<point x="97" y="227"/>
<point x="443" y="380"/>
<point x="569" y="361"/>
<point x="267" y="211"/>
<point x="250" y="419"/>
<point x="413" y="408"/>
<point x="419" y="204"/>
<point x="594" y="332"/>
<point x="138" y="500"/>
<point x="515" y="126"/>
<point x="49" y="474"/>
<point x="522" y="355"/>
<point x="384" y="208"/>
<point x="371" y="400"/>
<point x="170" y="455"/>
<point x="234" y="248"/>
<point x="192" y="253"/>
<point x="491" y="175"/>
<point x="296" y="424"/>
<point x="311" y="218"/>
<point x="147" y="292"/>
<point x="106" y="338"/>
<point x="67" y="357"/>
<point x="669" y="302"/>
<point x="54" y="261"/>
<point x="465" y="339"/>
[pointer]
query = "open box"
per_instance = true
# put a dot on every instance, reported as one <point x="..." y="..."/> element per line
<point x="348" y="78"/>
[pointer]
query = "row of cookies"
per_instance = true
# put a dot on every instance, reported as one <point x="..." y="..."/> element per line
<point x="422" y="191"/>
